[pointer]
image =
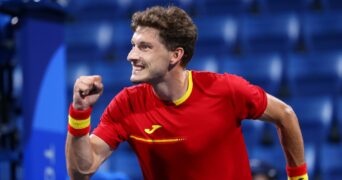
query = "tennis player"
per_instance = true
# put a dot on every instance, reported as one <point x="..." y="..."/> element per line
<point x="182" y="124"/>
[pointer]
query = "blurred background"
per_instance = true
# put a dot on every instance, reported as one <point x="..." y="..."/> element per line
<point x="291" y="48"/>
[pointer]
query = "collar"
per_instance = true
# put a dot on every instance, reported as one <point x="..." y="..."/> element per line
<point x="186" y="95"/>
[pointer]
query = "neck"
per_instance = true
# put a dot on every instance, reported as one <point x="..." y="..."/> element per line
<point x="173" y="87"/>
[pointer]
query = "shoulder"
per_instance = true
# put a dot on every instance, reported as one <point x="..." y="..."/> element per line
<point x="219" y="83"/>
<point x="136" y="93"/>
<point x="206" y="77"/>
<point x="130" y="97"/>
<point x="136" y="89"/>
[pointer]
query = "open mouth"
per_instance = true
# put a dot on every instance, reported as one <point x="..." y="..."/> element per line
<point x="137" y="67"/>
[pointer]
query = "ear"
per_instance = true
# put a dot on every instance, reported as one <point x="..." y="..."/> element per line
<point x="176" y="55"/>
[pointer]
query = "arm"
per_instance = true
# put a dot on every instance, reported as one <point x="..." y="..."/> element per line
<point x="84" y="153"/>
<point x="285" y="119"/>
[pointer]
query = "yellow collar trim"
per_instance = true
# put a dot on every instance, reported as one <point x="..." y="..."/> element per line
<point x="187" y="93"/>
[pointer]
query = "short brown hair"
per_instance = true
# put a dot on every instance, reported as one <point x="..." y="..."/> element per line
<point x="175" y="26"/>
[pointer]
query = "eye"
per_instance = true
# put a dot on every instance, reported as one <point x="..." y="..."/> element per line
<point x="144" y="46"/>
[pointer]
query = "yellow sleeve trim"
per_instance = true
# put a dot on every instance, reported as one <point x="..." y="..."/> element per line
<point x="79" y="124"/>
<point x="187" y="93"/>
<point x="303" y="177"/>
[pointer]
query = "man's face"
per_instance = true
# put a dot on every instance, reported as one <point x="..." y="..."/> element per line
<point x="149" y="57"/>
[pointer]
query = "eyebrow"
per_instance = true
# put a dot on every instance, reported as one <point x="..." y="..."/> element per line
<point x="146" y="43"/>
<point x="142" y="42"/>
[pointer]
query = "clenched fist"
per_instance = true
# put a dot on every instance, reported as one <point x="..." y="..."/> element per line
<point x="87" y="90"/>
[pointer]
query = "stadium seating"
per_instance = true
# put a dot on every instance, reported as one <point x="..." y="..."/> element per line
<point x="334" y="5"/>
<point x="311" y="160"/>
<point x="216" y="34"/>
<point x="188" y="5"/>
<point x="272" y="155"/>
<point x="331" y="166"/>
<point x="6" y="33"/>
<point x="204" y="63"/>
<point x="252" y="131"/>
<point x="339" y="115"/>
<point x="4" y="21"/>
<point x="96" y="39"/>
<point x="298" y="6"/>
<point x="265" y="33"/>
<point x="321" y="32"/>
<point x="115" y="75"/>
<point x="104" y="9"/>
<point x="291" y="45"/>
<point x="261" y="169"/>
<point x="122" y="34"/>
<point x="81" y="40"/>
<point x="127" y="162"/>
<point x="314" y="74"/>
<point x="264" y="70"/>
<point x="315" y="115"/>
<point x="76" y="69"/>
<point x="223" y="7"/>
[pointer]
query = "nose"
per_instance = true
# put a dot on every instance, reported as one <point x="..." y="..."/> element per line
<point x="132" y="55"/>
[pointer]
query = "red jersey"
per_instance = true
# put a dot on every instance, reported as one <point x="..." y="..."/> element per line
<point x="197" y="137"/>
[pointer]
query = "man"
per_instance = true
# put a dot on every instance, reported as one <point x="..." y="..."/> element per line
<point x="182" y="124"/>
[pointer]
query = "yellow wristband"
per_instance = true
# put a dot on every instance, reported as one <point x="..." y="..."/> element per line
<point x="79" y="124"/>
<point x="302" y="177"/>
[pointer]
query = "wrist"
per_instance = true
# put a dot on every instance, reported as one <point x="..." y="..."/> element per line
<point x="79" y="121"/>
<point x="78" y="106"/>
<point x="79" y="113"/>
<point x="297" y="172"/>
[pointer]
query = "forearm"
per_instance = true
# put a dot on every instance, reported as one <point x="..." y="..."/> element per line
<point x="84" y="153"/>
<point x="292" y="142"/>
<point x="80" y="158"/>
<point x="291" y="139"/>
<point x="283" y="116"/>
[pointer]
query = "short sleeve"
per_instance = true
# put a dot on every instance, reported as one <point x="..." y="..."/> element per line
<point x="250" y="101"/>
<point x="111" y="127"/>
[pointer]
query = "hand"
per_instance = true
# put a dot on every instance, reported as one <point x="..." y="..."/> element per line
<point x="87" y="90"/>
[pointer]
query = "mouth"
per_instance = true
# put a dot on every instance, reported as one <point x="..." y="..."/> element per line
<point x="137" y="67"/>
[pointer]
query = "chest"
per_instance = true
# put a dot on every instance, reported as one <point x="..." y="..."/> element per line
<point x="188" y="128"/>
